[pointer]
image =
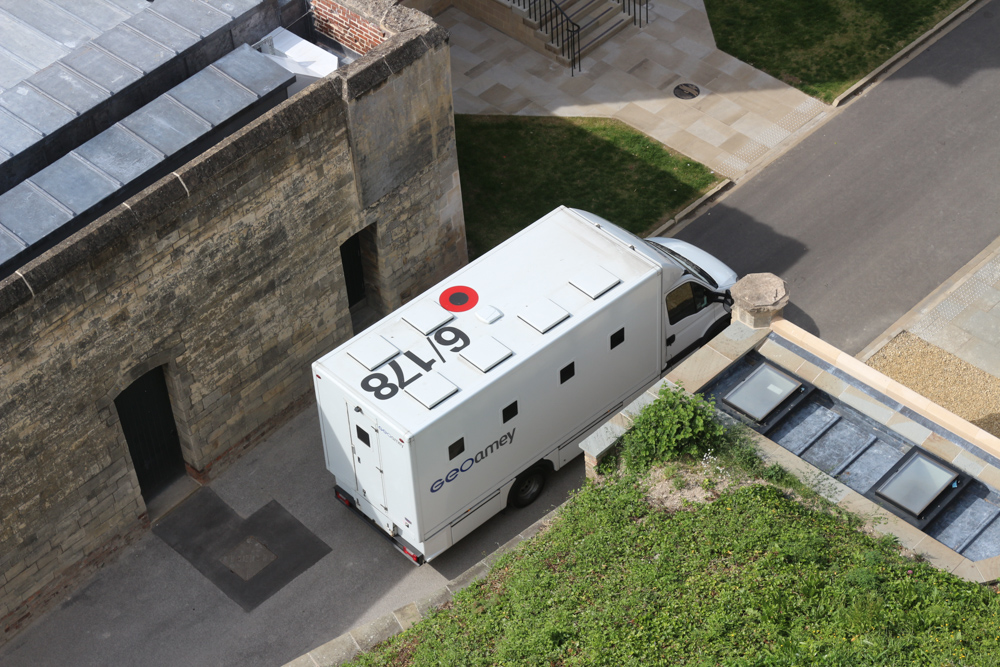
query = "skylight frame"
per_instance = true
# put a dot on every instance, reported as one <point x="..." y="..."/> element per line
<point x="780" y="409"/>
<point x="933" y="508"/>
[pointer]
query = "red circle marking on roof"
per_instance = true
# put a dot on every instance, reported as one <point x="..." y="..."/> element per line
<point x="459" y="299"/>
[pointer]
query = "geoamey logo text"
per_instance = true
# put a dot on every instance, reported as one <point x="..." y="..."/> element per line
<point x="481" y="455"/>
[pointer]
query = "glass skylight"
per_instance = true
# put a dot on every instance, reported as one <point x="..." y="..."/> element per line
<point x="917" y="484"/>
<point x="762" y="392"/>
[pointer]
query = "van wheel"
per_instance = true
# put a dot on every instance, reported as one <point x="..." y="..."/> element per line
<point x="527" y="487"/>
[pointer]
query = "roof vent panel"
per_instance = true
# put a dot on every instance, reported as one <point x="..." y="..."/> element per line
<point x="543" y="315"/>
<point x="426" y="316"/>
<point x="372" y="351"/>
<point x="594" y="281"/>
<point x="431" y="389"/>
<point x="486" y="353"/>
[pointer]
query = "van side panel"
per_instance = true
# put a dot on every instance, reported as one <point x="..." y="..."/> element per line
<point x="551" y="408"/>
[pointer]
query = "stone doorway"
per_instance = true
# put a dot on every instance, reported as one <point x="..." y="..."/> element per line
<point x="147" y="420"/>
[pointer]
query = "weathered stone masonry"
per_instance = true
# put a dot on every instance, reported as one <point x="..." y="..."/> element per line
<point x="227" y="274"/>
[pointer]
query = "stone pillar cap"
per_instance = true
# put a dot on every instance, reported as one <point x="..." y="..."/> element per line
<point x="758" y="298"/>
<point x="760" y="291"/>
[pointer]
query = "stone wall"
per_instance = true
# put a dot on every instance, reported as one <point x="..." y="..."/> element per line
<point x="228" y="275"/>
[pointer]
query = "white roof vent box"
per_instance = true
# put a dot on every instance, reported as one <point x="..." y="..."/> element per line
<point x="486" y="353"/>
<point x="431" y="389"/>
<point x="426" y="316"/>
<point x="543" y="315"/>
<point x="595" y="281"/>
<point x="372" y="351"/>
<point x="488" y="314"/>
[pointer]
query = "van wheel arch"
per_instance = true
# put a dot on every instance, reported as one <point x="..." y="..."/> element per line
<point x="528" y="485"/>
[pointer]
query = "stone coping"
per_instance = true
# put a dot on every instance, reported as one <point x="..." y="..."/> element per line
<point x="364" y="637"/>
<point x="988" y="443"/>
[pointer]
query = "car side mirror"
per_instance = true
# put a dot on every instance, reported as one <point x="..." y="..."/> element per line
<point x="725" y="298"/>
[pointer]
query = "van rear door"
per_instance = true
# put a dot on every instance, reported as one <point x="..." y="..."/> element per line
<point x="367" y="458"/>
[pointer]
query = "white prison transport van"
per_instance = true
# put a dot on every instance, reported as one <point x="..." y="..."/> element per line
<point x="458" y="403"/>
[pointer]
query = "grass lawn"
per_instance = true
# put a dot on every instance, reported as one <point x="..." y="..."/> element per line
<point x="750" y="577"/>
<point x="822" y="47"/>
<point x="516" y="169"/>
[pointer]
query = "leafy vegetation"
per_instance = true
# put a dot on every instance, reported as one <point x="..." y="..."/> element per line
<point x="751" y="578"/>
<point x="822" y="47"/>
<point x="675" y="424"/>
<point x="515" y="169"/>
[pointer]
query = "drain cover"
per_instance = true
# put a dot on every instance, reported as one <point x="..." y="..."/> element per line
<point x="248" y="558"/>
<point x="686" y="91"/>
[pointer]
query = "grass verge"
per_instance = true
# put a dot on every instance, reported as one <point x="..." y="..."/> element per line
<point x="515" y="169"/>
<point x="747" y="576"/>
<point x="822" y="47"/>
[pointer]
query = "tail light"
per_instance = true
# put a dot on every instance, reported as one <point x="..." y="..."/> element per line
<point x="414" y="557"/>
<point x="344" y="499"/>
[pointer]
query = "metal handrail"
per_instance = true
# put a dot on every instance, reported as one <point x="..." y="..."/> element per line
<point x="561" y="29"/>
<point x="634" y="9"/>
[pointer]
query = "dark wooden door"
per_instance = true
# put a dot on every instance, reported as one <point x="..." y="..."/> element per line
<point x="354" y="274"/>
<point x="148" y="423"/>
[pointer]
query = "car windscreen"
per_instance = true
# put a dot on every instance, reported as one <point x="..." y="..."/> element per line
<point x="688" y="265"/>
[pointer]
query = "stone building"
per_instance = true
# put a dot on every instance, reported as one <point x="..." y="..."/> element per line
<point x="175" y="329"/>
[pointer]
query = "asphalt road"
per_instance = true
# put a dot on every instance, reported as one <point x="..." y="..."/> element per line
<point x="151" y="607"/>
<point x="879" y="206"/>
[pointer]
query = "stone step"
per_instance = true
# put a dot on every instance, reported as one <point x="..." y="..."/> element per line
<point x="592" y="23"/>
<point x="582" y="9"/>
<point x="568" y="7"/>
<point x="612" y="29"/>
<point x="599" y="21"/>
<point x="590" y="15"/>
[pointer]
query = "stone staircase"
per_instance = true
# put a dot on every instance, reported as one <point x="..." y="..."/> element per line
<point x="599" y="20"/>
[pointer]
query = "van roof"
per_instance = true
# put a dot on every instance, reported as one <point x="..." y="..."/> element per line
<point x="489" y="317"/>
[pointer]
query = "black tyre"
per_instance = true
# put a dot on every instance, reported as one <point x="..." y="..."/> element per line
<point x="527" y="487"/>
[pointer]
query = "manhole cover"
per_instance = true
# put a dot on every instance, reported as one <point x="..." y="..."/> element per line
<point x="686" y="91"/>
<point x="248" y="558"/>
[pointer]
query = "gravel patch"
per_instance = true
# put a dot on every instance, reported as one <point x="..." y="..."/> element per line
<point x="954" y="384"/>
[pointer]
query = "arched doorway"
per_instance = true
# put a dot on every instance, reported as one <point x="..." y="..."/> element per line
<point x="147" y="421"/>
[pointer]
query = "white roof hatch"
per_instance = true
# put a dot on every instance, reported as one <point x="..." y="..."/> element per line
<point x="426" y="316"/>
<point x="372" y="351"/>
<point x="594" y="281"/>
<point x="486" y="353"/>
<point x="431" y="389"/>
<point x="543" y="315"/>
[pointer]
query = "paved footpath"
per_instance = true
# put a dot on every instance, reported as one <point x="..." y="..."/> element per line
<point x="962" y="316"/>
<point x="741" y="119"/>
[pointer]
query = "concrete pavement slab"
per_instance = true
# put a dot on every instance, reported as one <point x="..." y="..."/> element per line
<point x="638" y="68"/>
